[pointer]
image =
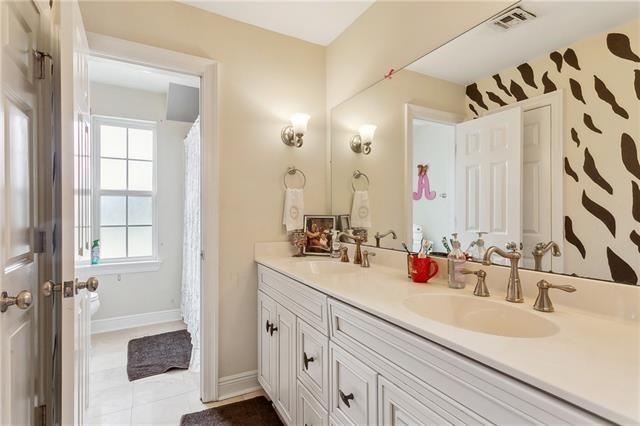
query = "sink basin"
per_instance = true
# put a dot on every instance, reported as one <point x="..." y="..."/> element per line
<point x="480" y="315"/>
<point x="326" y="267"/>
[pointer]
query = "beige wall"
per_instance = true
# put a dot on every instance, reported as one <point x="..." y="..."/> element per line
<point x="384" y="105"/>
<point x="264" y="78"/>
<point x="392" y="34"/>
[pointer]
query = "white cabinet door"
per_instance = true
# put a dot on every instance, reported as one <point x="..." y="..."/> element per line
<point x="312" y="361"/>
<point x="309" y="411"/>
<point x="353" y="389"/>
<point x="488" y="178"/>
<point x="266" y="344"/>
<point x="284" y="334"/>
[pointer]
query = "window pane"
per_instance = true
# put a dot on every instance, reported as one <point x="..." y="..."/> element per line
<point x="140" y="175"/>
<point x="113" y="141"/>
<point x="140" y="211"/>
<point x="140" y="241"/>
<point x="113" y="174"/>
<point x="113" y="242"/>
<point x="112" y="210"/>
<point x="141" y="144"/>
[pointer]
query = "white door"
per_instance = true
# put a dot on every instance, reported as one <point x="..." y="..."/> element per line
<point x="536" y="184"/>
<point x="23" y="32"/>
<point x="73" y="152"/>
<point x="488" y="178"/>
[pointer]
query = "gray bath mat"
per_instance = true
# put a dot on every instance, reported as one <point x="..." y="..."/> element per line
<point x="252" y="412"/>
<point x="151" y="355"/>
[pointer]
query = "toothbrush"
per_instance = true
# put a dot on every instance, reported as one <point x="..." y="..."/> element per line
<point x="404" y="245"/>
<point x="445" y="244"/>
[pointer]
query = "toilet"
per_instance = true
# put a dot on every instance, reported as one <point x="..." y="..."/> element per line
<point x="94" y="302"/>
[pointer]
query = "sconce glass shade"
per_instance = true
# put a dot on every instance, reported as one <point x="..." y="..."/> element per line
<point x="299" y="123"/>
<point x="367" y="131"/>
<point x="292" y="135"/>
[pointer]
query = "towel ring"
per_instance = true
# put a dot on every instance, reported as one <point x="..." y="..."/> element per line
<point x="357" y="175"/>
<point x="292" y="171"/>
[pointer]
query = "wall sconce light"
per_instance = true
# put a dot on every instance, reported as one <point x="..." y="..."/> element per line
<point x="292" y="134"/>
<point x="361" y="143"/>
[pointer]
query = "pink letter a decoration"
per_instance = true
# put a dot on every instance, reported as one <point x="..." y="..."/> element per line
<point x="423" y="184"/>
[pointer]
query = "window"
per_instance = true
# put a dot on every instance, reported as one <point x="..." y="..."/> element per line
<point x="125" y="189"/>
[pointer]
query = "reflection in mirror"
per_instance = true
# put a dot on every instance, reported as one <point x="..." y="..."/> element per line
<point x="529" y="134"/>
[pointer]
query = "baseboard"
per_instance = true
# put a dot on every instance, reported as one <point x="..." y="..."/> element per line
<point x="238" y="384"/>
<point x="136" y="320"/>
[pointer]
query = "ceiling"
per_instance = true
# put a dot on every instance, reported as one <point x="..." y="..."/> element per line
<point x="318" y="22"/>
<point x="132" y="76"/>
<point x="486" y="49"/>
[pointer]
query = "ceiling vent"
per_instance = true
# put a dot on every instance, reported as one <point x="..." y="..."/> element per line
<point x="512" y="18"/>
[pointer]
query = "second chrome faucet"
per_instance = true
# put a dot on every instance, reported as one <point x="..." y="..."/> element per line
<point x="514" y="287"/>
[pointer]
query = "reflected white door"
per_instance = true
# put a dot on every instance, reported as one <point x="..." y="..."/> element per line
<point x="22" y="23"/>
<point x="488" y="178"/>
<point x="536" y="183"/>
<point x="72" y="152"/>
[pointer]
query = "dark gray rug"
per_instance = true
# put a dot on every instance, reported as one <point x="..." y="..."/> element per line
<point x="151" y="355"/>
<point x="252" y="412"/>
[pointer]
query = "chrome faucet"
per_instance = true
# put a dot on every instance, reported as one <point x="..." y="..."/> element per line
<point x="514" y="287"/>
<point x="380" y="236"/>
<point x="539" y="251"/>
<point x="365" y="258"/>
<point x="543" y="302"/>
<point x="357" y="258"/>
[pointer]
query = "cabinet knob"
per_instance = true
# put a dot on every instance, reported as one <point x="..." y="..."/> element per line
<point x="268" y="326"/>
<point x="273" y="328"/>
<point x="346" y="398"/>
<point x="306" y="360"/>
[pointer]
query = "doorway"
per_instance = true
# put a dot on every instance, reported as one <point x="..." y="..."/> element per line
<point x="138" y="232"/>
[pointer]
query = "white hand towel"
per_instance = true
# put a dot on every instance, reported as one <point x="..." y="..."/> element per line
<point x="293" y="209"/>
<point x="360" y="212"/>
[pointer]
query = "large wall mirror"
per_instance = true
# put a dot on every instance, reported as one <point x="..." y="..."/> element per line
<point x="525" y="130"/>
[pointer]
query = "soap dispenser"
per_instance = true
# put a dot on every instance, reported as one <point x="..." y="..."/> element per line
<point x="335" y="244"/>
<point x="456" y="261"/>
<point x="480" y="248"/>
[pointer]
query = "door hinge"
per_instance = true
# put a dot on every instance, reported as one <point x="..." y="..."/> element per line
<point x="202" y="255"/>
<point x="40" y="57"/>
<point x="40" y="243"/>
<point x="41" y="415"/>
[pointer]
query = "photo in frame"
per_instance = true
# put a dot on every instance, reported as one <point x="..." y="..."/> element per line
<point x="318" y="229"/>
<point x="344" y="222"/>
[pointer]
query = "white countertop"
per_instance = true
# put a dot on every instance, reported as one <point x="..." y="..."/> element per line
<point x="592" y="361"/>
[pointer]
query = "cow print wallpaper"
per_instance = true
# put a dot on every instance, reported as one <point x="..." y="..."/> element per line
<point x="600" y="79"/>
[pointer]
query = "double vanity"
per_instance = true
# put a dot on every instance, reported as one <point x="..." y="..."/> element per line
<point x="342" y="344"/>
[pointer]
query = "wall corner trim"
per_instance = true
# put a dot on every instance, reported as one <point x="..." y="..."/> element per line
<point x="238" y="384"/>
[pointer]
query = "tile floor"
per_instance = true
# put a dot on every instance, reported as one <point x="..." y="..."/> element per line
<point x="157" y="400"/>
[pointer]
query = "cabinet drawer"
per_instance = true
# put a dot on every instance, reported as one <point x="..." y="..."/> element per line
<point x="303" y="301"/>
<point x="476" y="389"/>
<point x="397" y="407"/>
<point x="353" y="389"/>
<point x="313" y="347"/>
<point x="310" y="411"/>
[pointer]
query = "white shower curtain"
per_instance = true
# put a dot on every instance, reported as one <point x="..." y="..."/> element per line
<point x="191" y="241"/>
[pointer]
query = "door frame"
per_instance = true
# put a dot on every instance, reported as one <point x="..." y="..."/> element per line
<point x="555" y="101"/>
<point x="208" y="71"/>
<point x="411" y="112"/>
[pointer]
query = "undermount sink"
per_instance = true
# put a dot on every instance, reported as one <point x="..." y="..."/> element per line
<point x="480" y="315"/>
<point x="317" y="267"/>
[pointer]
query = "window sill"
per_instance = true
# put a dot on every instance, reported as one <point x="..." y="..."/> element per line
<point x="118" y="268"/>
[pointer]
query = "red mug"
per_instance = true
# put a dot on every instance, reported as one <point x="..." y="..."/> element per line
<point x="423" y="269"/>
